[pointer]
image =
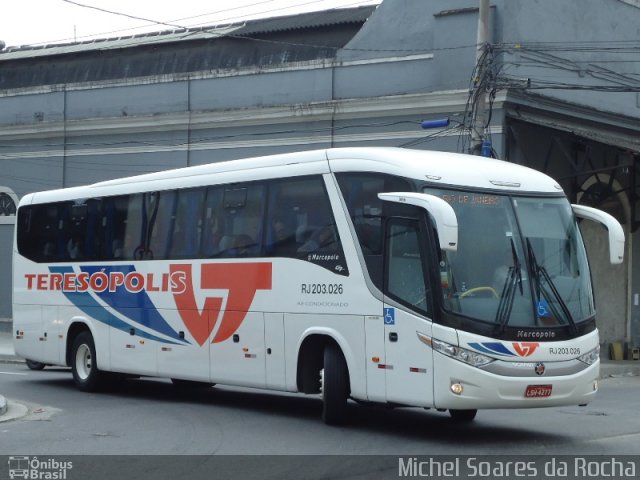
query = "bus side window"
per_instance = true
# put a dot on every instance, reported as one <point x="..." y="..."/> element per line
<point x="115" y="220"/>
<point x="94" y="245"/>
<point x="360" y="193"/>
<point x="187" y="224"/>
<point x="37" y="232"/>
<point x="74" y="231"/>
<point x="160" y="218"/>
<point x="123" y="227"/>
<point x="287" y="217"/>
<point x="242" y="218"/>
<point x="213" y="228"/>
<point x="300" y="224"/>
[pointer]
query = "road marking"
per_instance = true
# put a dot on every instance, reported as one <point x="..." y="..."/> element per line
<point x="615" y="437"/>
<point x="13" y="373"/>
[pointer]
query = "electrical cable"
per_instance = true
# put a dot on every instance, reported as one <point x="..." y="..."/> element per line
<point x="197" y="27"/>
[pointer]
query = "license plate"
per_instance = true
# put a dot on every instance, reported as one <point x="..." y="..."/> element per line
<point x="538" y="391"/>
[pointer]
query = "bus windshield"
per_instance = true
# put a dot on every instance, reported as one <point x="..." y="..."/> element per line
<point x="520" y="262"/>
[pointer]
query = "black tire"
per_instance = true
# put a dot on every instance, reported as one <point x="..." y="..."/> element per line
<point x="33" y="365"/>
<point x="190" y="384"/>
<point x="335" y="386"/>
<point x="84" y="366"/>
<point x="463" y="416"/>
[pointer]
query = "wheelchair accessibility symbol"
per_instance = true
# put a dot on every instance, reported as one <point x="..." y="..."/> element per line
<point x="389" y="316"/>
<point x="543" y="309"/>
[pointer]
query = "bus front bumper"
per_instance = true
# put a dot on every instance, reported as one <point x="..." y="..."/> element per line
<point x="461" y="386"/>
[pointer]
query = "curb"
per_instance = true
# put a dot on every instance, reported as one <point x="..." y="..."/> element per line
<point x="10" y="359"/>
<point x="3" y="405"/>
<point x="624" y="368"/>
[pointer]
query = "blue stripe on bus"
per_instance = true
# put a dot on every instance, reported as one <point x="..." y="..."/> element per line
<point x="135" y="306"/>
<point x="495" y="348"/>
<point x="150" y="318"/>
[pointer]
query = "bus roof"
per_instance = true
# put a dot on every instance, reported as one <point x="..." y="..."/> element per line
<point x="438" y="168"/>
<point x="444" y="168"/>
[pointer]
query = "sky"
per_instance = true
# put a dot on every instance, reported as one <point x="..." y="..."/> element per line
<point x="37" y="22"/>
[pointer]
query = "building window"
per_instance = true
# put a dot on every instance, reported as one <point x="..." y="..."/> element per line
<point x="8" y="204"/>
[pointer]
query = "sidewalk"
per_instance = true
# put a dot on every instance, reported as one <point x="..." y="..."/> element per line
<point x="7" y="355"/>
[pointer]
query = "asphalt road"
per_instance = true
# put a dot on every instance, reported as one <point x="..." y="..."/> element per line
<point x="150" y="416"/>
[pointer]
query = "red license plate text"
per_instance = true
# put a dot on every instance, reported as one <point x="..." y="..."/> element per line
<point x="538" y="391"/>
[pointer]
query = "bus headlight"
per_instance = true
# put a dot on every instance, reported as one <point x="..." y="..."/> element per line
<point x="462" y="354"/>
<point x="590" y="357"/>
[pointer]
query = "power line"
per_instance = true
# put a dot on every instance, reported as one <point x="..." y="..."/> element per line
<point x="112" y="12"/>
<point x="198" y="27"/>
<point x="102" y="34"/>
<point x="270" y="11"/>
<point x="183" y="27"/>
<point x="136" y="40"/>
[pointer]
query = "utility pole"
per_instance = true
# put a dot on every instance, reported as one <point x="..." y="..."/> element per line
<point x="479" y="120"/>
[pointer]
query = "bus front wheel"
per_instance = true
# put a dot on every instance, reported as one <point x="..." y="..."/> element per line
<point x="463" y="416"/>
<point x="334" y="381"/>
<point x="86" y="375"/>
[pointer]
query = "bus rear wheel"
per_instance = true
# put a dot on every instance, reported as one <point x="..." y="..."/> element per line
<point x="334" y="382"/>
<point x="463" y="416"/>
<point x="86" y="375"/>
<point x="33" y="365"/>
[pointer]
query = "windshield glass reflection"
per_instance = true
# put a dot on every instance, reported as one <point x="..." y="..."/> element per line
<point x="520" y="262"/>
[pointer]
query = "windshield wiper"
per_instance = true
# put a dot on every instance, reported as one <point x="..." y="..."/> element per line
<point x="509" y="291"/>
<point x="536" y="271"/>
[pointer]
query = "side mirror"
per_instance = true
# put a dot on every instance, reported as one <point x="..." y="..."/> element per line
<point x="441" y="211"/>
<point x="616" y="234"/>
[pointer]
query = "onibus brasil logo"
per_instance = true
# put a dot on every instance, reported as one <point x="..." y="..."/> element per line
<point x="38" y="469"/>
<point x="118" y="295"/>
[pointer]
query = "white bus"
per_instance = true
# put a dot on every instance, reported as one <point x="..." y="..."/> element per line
<point x="383" y="275"/>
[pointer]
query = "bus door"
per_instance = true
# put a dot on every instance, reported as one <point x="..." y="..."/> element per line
<point x="408" y="362"/>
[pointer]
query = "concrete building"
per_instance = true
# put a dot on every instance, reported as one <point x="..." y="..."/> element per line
<point x="562" y="79"/>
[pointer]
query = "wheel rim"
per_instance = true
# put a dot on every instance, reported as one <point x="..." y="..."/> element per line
<point x="84" y="361"/>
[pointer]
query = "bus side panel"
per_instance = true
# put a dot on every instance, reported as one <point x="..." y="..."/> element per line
<point x="132" y="353"/>
<point x="27" y="326"/>
<point x="51" y="342"/>
<point x="274" y="342"/>
<point x="338" y="327"/>
<point x="374" y="339"/>
<point x="409" y="362"/>
<point x="240" y="359"/>
<point x="188" y="361"/>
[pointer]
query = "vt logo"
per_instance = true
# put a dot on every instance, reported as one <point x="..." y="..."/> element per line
<point x="525" y="349"/>
<point x="242" y="280"/>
